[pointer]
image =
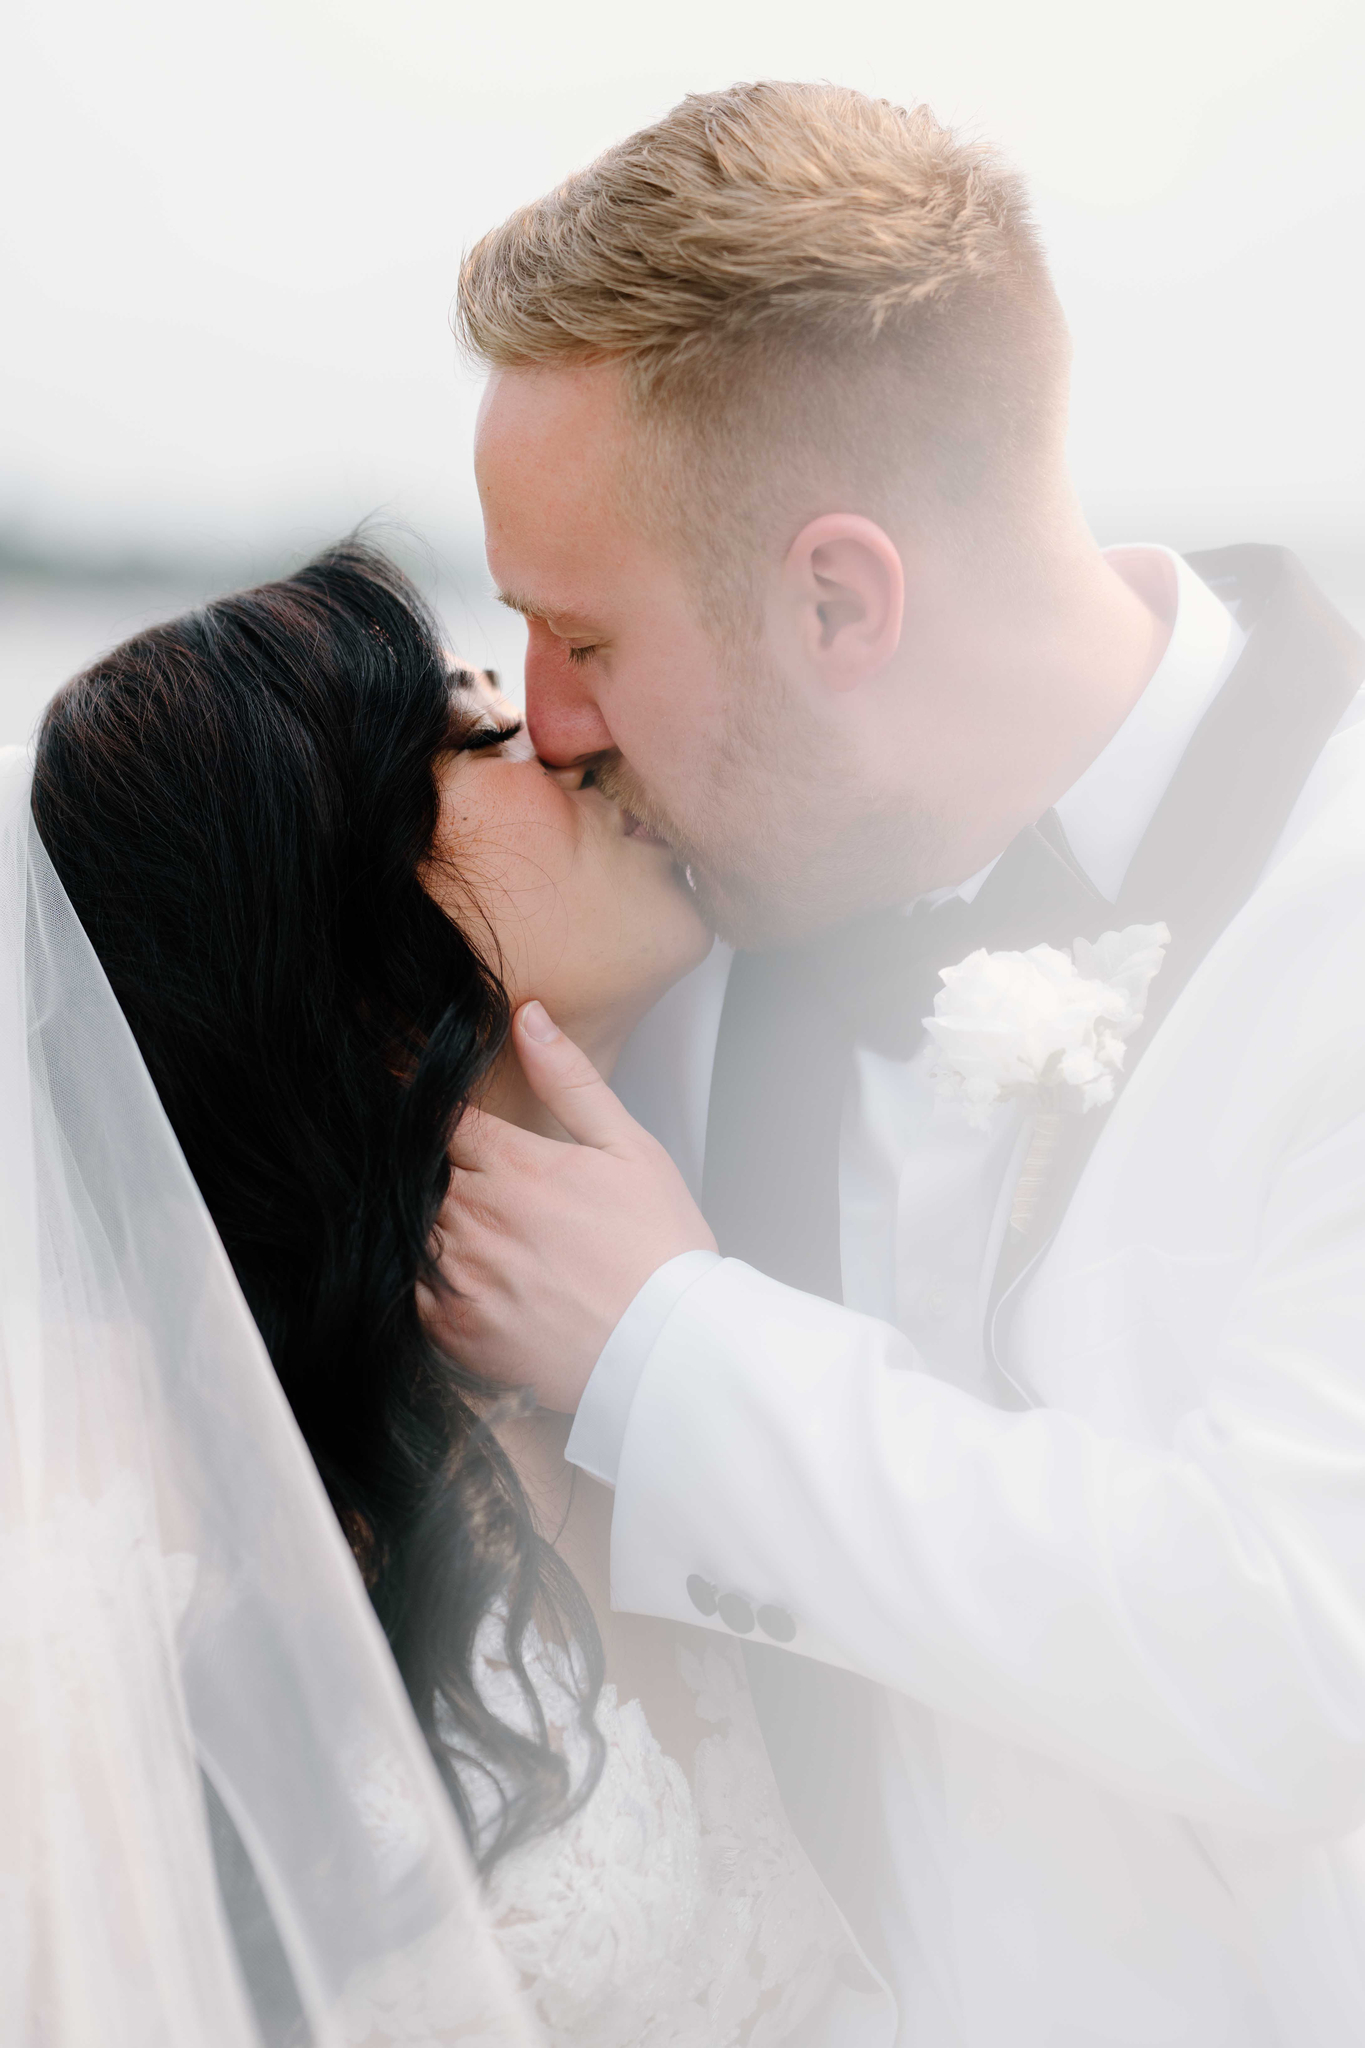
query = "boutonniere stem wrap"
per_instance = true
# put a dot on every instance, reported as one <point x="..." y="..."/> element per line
<point x="1046" y="1029"/>
<point x="1043" y="1139"/>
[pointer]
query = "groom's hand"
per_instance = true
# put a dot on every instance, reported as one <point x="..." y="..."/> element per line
<point x="543" y="1246"/>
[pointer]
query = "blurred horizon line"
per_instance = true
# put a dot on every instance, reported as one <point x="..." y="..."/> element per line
<point x="63" y="603"/>
<point x="28" y="554"/>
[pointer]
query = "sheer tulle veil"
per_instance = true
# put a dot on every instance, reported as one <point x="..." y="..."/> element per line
<point x="183" y="1634"/>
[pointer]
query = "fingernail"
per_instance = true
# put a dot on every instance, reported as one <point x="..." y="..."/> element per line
<point x="537" y="1023"/>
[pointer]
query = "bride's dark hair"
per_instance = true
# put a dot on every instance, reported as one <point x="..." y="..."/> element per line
<point x="240" y="804"/>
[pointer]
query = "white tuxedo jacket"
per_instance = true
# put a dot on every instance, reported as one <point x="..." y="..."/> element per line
<point x="1122" y="1632"/>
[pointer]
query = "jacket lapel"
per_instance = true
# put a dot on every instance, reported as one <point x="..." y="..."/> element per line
<point x="1219" y="821"/>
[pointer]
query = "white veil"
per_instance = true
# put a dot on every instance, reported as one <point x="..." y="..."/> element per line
<point x="219" y="1824"/>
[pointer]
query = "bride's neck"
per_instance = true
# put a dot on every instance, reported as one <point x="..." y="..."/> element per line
<point x="507" y="1093"/>
<point x="535" y="1443"/>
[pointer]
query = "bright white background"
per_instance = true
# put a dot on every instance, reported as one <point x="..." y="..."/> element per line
<point x="231" y="236"/>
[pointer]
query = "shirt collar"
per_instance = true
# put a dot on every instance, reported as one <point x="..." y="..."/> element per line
<point x="1107" y="810"/>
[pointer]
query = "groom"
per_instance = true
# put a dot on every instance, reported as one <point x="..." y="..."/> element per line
<point x="1016" y="1414"/>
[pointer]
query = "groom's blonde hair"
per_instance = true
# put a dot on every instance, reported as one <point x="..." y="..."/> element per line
<point x="809" y="292"/>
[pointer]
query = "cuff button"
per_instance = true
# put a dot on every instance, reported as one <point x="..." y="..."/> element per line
<point x="736" y="1613"/>
<point x="702" y="1594"/>
<point x="776" y="1623"/>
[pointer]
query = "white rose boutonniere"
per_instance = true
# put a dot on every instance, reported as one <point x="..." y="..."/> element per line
<point x="1042" y="1027"/>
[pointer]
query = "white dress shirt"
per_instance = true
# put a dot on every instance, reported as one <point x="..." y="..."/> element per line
<point x="918" y="1187"/>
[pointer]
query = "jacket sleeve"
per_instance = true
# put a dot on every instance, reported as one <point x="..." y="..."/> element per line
<point x="1185" y="1622"/>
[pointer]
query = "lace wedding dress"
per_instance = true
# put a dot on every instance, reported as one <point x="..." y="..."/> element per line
<point x="671" y="1911"/>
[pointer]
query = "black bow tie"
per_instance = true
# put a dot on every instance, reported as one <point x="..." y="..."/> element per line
<point x="792" y="1018"/>
<point x="879" y="975"/>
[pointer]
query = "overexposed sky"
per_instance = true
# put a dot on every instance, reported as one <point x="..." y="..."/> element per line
<point x="231" y="236"/>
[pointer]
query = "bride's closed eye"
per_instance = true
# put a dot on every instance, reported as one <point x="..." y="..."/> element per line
<point x="484" y="738"/>
<point x="578" y="655"/>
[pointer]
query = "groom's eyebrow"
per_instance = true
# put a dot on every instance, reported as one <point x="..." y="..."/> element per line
<point x="558" y="620"/>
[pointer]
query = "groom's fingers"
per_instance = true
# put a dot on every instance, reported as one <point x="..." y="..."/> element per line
<point x="541" y="1246"/>
<point x="569" y="1084"/>
<point x="476" y="1140"/>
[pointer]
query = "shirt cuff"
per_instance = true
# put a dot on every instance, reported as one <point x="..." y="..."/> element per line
<point x="600" y="1426"/>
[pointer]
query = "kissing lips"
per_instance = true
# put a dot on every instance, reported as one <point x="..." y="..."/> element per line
<point x="636" y="829"/>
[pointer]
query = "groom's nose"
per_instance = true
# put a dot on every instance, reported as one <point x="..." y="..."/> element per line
<point x="561" y="712"/>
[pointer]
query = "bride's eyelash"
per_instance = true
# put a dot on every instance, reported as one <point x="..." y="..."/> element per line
<point x="485" y="736"/>
<point x="580" y="654"/>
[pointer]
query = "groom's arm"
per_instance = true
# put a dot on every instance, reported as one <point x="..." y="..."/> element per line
<point x="599" y="1430"/>
<point x="1186" y="1624"/>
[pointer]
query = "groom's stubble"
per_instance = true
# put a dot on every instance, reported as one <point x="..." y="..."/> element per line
<point x="780" y="839"/>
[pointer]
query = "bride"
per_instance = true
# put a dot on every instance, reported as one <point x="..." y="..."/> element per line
<point x="320" y="866"/>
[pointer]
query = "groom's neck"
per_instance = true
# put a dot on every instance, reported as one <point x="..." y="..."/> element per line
<point x="1036" y="691"/>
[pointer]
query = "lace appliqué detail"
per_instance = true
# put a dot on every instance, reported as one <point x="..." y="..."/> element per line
<point x="663" y="1914"/>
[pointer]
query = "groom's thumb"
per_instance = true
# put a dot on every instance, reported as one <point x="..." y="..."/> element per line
<point x="568" y="1083"/>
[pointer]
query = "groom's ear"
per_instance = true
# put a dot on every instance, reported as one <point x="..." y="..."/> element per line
<point x="842" y="599"/>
